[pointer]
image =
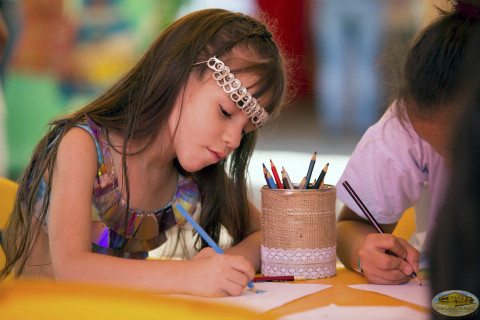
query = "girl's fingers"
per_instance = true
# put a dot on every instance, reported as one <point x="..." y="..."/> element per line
<point x="243" y="266"/>
<point x="413" y="256"/>
<point x="230" y="274"/>
<point x="385" y="241"/>
<point x="387" y="259"/>
<point x="385" y="268"/>
<point x="391" y="277"/>
<point x="205" y="253"/>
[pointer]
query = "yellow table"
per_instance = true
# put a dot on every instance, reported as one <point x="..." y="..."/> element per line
<point x="35" y="299"/>
<point x="340" y="294"/>
<point x="29" y="299"/>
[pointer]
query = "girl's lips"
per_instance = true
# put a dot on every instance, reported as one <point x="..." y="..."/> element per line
<point x="217" y="155"/>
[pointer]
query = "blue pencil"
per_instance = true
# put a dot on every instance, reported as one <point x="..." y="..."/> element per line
<point x="268" y="177"/>
<point x="205" y="236"/>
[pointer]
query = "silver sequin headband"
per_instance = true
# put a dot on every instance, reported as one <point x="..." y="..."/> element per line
<point x="238" y="93"/>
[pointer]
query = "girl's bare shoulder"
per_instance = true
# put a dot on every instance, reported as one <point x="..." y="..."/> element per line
<point x="77" y="149"/>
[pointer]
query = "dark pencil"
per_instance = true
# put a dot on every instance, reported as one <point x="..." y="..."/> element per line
<point x="321" y="177"/>
<point x="286" y="181"/>
<point x="289" y="182"/>
<point x="275" y="175"/>
<point x="310" y="169"/>
<point x="367" y="213"/>
<point x="268" y="178"/>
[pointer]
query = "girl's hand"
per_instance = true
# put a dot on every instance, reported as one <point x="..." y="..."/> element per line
<point x="383" y="268"/>
<point x="216" y="275"/>
<point x="205" y="253"/>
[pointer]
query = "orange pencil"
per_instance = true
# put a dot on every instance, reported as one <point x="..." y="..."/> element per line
<point x="275" y="175"/>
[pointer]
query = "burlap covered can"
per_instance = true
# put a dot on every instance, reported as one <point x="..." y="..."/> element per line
<point x="298" y="232"/>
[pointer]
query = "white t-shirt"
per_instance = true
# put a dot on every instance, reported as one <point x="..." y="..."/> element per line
<point x="393" y="169"/>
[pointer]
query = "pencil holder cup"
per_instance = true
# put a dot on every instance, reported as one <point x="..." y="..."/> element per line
<point x="298" y="232"/>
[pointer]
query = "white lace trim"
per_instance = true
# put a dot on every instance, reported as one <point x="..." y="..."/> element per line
<point x="310" y="263"/>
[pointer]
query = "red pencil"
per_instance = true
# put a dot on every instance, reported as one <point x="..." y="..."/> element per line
<point x="275" y="175"/>
<point x="278" y="278"/>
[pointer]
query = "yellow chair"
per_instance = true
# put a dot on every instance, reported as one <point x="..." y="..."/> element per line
<point x="406" y="225"/>
<point x="8" y="191"/>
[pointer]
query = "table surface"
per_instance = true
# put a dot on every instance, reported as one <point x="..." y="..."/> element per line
<point x="342" y="295"/>
<point x="26" y="297"/>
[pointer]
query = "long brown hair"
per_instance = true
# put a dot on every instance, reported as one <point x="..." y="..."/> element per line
<point x="138" y="107"/>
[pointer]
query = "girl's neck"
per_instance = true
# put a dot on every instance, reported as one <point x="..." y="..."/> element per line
<point x="152" y="176"/>
<point x="150" y="153"/>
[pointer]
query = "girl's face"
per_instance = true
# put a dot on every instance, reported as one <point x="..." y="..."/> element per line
<point x="210" y="125"/>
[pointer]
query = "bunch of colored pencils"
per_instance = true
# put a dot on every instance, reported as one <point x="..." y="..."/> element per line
<point x="275" y="182"/>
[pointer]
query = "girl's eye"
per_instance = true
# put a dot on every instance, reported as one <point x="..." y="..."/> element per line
<point x="225" y="113"/>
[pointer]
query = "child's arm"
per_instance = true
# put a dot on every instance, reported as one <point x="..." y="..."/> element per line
<point x="70" y="238"/>
<point x="250" y="246"/>
<point x="356" y="238"/>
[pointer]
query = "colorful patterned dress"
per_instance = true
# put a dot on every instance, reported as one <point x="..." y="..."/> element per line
<point x="113" y="227"/>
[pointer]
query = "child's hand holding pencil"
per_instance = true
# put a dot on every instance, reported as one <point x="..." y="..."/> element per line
<point x="384" y="258"/>
<point x="224" y="274"/>
<point x="218" y="275"/>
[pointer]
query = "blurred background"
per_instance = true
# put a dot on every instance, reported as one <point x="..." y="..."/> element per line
<point x="345" y="57"/>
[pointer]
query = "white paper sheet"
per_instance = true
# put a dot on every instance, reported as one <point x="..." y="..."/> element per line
<point x="410" y="292"/>
<point x="333" y="312"/>
<point x="275" y="295"/>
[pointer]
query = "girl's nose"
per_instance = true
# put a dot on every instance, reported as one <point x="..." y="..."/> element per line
<point x="232" y="137"/>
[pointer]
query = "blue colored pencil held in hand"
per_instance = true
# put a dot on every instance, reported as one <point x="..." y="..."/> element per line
<point x="205" y="236"/>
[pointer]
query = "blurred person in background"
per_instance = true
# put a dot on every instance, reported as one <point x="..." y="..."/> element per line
<point x="347" y="35"/>
<point x="4" y="36"/>
<point x="31" y="88"/>
<point x="67" y="51"/>
<point x="10" y="12"/>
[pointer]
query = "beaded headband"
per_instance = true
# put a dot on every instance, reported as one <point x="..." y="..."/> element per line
<point x="238" y="93"/>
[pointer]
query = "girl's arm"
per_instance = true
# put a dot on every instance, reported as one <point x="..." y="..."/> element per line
<point x="357" y="238"/>
<point x="70" y="238"/>
<point x="250" y="246"/>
